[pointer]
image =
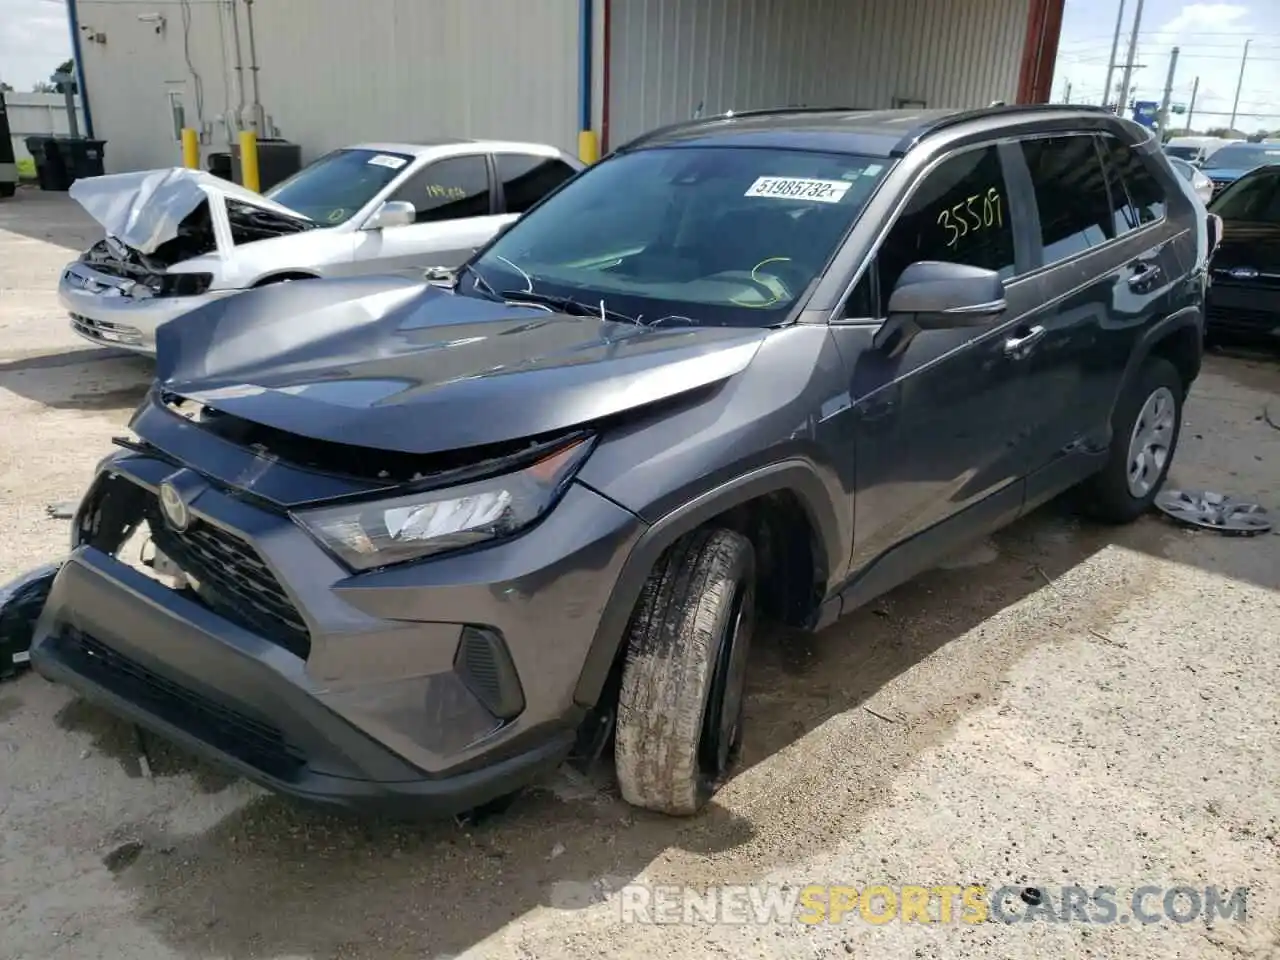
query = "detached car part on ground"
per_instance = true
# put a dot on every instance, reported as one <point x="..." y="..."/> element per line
<point x="1244" y="300"/>
<point x="408" y="548"/>
<point x="178" y="239"/>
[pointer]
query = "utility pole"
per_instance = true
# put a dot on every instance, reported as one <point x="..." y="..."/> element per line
<point x="1191" y="107"/>
<point x="1244" y="58"/>
<point x="1066" y="97"/>
<point x="1127" y="76"/>
<point x="1168" y="92"/>
<point x="1115" y="48"/>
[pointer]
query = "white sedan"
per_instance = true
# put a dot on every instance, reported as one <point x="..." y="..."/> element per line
<point x="177" y="238"/>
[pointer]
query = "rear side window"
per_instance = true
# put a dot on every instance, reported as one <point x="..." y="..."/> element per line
<point x="1136" y="195"/>
<point x="1071" y="194"/>
<point x="959" y="214"/>
<point x="527" y="179"/>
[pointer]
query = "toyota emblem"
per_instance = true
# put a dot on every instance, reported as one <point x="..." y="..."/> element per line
<point x="176" y="512"/>
<point x="1244" y="273"/>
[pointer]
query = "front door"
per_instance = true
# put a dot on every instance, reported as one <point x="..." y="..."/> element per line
<point x="454" y="199"/>
<point x="938" y="429"/>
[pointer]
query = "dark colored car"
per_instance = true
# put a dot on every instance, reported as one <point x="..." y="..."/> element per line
<point x="1244" y="299"/>
<point x="1230" y="163"/>
<point x="414" y="546"/>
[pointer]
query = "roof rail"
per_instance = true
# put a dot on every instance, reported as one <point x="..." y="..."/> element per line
<point x="996" y="110"/>
<point x="733" y="115"/>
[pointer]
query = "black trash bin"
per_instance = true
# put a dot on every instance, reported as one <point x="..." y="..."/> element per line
<point x="81" y="157"/>
<point x="51" y="169"/>
<point x="219" y="165"/>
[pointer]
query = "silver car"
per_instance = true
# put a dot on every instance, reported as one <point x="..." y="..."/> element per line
<point x="177" y="239"/>
<point x="1200" y="184"/>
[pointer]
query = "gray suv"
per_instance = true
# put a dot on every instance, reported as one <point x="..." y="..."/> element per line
<point x="406" y="548"/>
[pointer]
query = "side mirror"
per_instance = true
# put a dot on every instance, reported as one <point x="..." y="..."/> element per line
<point x="393" y="213"/>
<point x="440" y="276"/>
<point x="933" y="295"/>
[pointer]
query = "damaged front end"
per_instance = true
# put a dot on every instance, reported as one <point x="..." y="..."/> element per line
<point x="168" y="235"/>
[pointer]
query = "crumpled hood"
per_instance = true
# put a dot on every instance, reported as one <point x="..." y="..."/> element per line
<point x="397" y="365"/>
<point x="143" y="209"/>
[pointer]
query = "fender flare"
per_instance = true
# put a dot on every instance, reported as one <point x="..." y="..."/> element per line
<point x="1188" y="317"/>
<point x="797" y="476"/>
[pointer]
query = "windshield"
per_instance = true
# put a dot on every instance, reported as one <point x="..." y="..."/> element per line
<point x="722" y="236"/>
<point x="1183" y="153"/>
<point x="1243" y="156"/>
<point x="332" y="189"/>
<point x="1251" y="199"/>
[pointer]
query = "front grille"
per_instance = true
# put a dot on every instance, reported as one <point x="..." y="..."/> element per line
<point x="233" y="580"/>
<point x="259" y="744"/>
<point x="106" y="332"/>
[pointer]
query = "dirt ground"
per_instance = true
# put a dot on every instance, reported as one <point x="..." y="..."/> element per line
<point x="1066" y="705"/>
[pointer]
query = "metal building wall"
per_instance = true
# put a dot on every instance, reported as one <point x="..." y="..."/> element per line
<point x="332" y="72"/>
<point x="670" y="57"/>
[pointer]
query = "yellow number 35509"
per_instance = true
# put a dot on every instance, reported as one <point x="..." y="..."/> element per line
<point x="982" y="211"/>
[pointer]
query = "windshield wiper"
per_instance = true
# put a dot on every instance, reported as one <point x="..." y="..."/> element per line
<point x="479" y="282"/>
<point x="569" y="305"/>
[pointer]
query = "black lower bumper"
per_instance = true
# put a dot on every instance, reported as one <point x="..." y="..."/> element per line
<point x="1243" y="312"/>
<point x="173" y="667"/>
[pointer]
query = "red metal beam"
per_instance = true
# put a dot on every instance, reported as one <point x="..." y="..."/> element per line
<point x="1040" y="51"/>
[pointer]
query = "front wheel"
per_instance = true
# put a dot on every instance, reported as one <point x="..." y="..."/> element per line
<point x="683" y="684"/>
<point x="1145" y="429"/>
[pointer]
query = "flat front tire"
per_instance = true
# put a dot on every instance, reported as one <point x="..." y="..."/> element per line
<point x="1145" y="426"/>
<point x="683" y="683"/>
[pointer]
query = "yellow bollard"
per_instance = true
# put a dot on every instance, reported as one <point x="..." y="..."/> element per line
<point x="190" y="149"/>
<point x="588" y="146"/>
<point x="249" y="159"/>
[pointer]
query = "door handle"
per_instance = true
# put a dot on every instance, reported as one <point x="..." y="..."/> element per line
<point x="1147" y="273"/>
<point x="1019" y="347"/>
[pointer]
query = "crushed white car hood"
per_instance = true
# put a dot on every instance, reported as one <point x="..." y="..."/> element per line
<point x="143" y="209"/>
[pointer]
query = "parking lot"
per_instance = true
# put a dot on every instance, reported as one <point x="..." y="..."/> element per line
<point x="1065" y="705"/>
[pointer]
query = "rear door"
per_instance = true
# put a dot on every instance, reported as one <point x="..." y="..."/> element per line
<point x="1155" y="248"/>
<point x="456" y="212"/>
<point x="1080" y="272"/>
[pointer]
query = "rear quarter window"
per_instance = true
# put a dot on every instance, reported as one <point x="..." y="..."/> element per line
<point x="1137" y="196"/>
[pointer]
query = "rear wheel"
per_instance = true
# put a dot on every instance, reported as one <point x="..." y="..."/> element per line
<point x="680" y="707"/>
<point x="1145" y="430"/>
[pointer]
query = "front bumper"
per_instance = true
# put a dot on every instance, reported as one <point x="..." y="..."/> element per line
<point x="103" y="312"/>
<point x="376" y="709"/>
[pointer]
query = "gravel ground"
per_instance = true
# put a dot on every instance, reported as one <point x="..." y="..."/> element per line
<point x="1067" y="705"/>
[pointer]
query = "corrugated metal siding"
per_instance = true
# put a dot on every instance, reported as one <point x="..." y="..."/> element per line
<point x="670" y="57"/>
<point x="337" y="71"/>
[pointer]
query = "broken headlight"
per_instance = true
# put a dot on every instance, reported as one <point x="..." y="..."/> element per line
<point x="378" y="533"/>
<point x="182" y="284"/>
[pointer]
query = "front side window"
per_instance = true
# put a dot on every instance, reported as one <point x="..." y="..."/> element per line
<point x="526" y="179"/>
<point x="1071" y="194"/>
<point x="451" y="189"/>
<point x="338" y="185"/>
<point x="1136" y="195"/>
<point x="702" y="235"/>
<point x="1252" y="199"/>
<point x="959" y="214"/>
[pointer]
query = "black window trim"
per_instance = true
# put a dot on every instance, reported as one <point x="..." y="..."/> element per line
<point x="1021" y="202"/>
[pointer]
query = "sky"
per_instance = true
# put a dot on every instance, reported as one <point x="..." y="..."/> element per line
<point x="1210" y="38"/>
<point x="34" y="40"/>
